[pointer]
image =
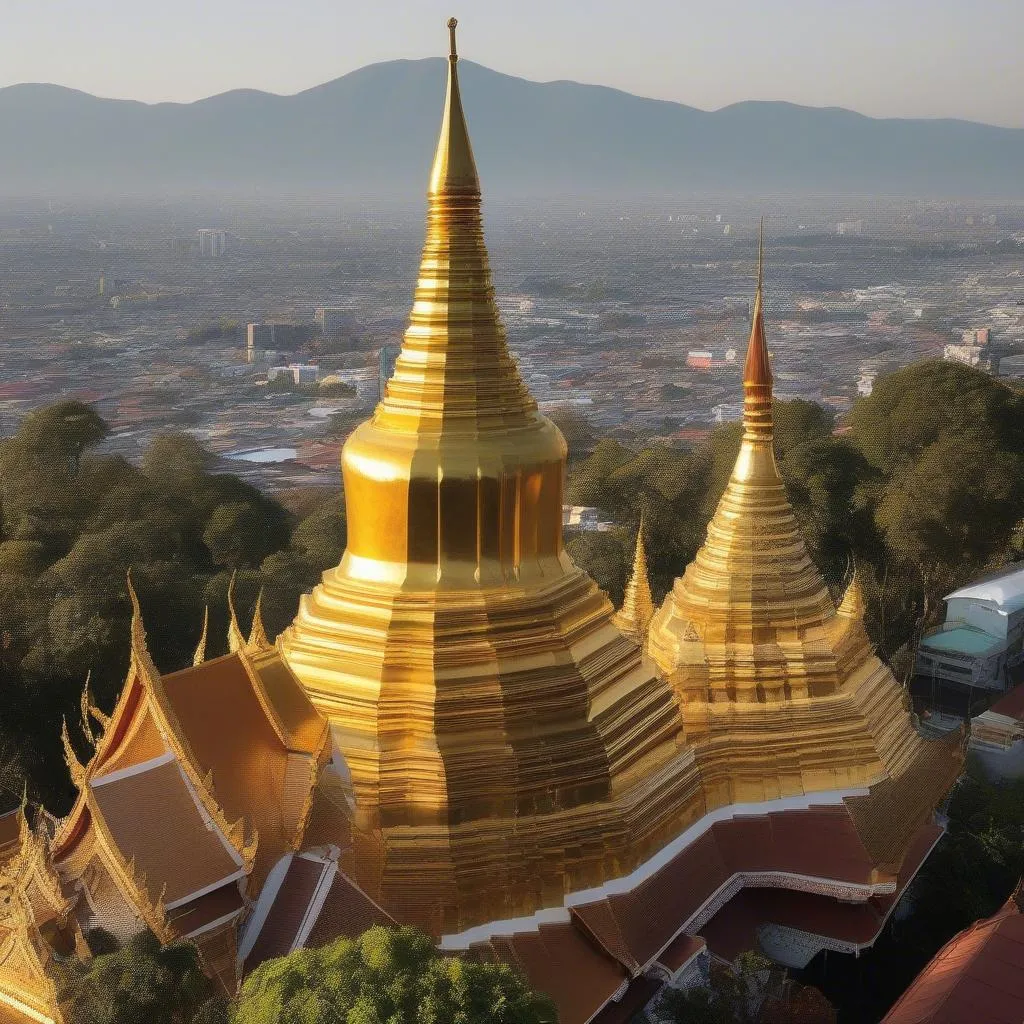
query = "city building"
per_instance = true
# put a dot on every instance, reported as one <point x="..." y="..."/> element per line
<point x="850" y="227"/>
<point x="386" y="359"/>
<point x="336" y="322"/>
<point x="212" y="241"/>
<point x="259" y="341"/>
<point x="302" y="374"/>
<point x="981" y="639"/>
<point x="453" y="732"/>
<point x="726" y="412"/>
<point x="699" y="360"/>
<point x="997" y="735"/>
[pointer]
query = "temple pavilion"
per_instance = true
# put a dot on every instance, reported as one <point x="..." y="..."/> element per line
<point x="458" y="730"/>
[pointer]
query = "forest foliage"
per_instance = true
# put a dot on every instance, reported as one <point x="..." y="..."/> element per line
<point x="75" y="521"/>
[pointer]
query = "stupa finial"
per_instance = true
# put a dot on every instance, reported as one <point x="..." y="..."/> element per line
<point x="757" y="369"/>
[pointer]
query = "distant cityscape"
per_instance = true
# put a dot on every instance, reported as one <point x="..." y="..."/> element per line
<point x="270" y="336"/>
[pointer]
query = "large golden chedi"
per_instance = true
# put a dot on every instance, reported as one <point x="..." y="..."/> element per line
<point x="781" y="692"/>
<point x="506" y="743"/>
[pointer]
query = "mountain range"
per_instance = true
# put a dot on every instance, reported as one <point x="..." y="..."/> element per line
<point x="372" y="133"/>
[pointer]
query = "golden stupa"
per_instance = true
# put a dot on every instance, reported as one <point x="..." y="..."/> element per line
<point x="781" y="692"/>
<point x="634" y="617"/>
<point x="506" y="743"/>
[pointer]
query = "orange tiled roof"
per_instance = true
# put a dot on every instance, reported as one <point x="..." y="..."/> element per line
<point x="204" y="911"/>
<point x="563" y="964"/>
<point x="820" y="842"/>
<point x="281" y="927"/>
<point x="976" y="978"/>
<point x="347" y="910"/>
<point x="153" y="817"/>
<point x="232" y="735"/>
<point x="733" y="930"/>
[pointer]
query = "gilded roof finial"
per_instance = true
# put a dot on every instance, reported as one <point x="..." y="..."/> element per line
<point x="138" y="630"/>
<point x="258" y="639"/>
<point x="236" y="641"/>
<point x="200" y="654"/>
<point x="452" y="24"/>
<point x="85" y="702"/>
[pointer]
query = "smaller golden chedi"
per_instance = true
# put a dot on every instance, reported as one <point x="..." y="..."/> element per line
<point x="781" y="693"/>
<point x="637" y="610"/>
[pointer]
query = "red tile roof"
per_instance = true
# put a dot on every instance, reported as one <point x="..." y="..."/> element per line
<point x="976" y="978"/>
<point x="1011" y="704"/>
<point x="291" y="903"/>
<point x="565" y="965"/>
<point x="820" y="842"/>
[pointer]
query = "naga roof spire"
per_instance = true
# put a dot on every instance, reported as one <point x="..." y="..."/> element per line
<point x="200" y="655"/>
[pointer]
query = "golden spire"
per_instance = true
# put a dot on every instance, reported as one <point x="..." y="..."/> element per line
<point x="757" y="370"/>
<point x="236" y="641"/>
<point x="853" y="604"/>
<point x="200" y="655"/>
<point x="258" y="639"/>
<point x="752" y="578"/>
<point x="637" y="609"/>
<point x="454" y="167"/>
<point x="454" y="372"/>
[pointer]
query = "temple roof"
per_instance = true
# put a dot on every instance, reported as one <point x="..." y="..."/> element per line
<point x="976" y="978"/>
<point x="149" y="812"/>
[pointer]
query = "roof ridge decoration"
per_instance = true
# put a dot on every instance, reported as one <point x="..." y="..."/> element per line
<point x="78" y="771"/>
<point x="236" y="639"/>
<point x="200" y="653"/>
<point x="258" y="639"/>
<point x="85" y="703"/>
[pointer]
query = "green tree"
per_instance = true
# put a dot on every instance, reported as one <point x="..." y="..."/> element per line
<point x="753" y="991"/>
<point x="386" y="975"/>
<point x="139" y="983"/>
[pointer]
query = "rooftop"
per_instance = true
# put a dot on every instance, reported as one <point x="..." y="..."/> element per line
<point x="1005" y="588"/>
<point x="962" y="638"/>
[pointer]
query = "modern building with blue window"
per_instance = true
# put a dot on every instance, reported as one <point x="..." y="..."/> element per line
<point x="981" y="640"/>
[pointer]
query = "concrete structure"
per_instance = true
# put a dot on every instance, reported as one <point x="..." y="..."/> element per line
<point x="259" y="340"/>
<point x="386" y="359"/>
<point x="969" y="355"/>
<point x="981" y="639"/>
<point x="335" y="321"/>
<point x="212" y="241"/>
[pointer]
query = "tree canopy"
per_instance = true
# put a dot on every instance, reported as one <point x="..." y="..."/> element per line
<point x="386" y="976"/>
<point x="73" y="521"/>
<point x="141" y="982"/>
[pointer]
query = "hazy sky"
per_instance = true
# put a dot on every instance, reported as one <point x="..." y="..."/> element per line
<point x="929" y="58"/>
